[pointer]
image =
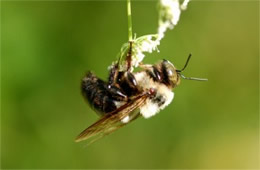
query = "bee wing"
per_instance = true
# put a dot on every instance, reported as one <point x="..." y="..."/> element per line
<point x="113" y="121"/>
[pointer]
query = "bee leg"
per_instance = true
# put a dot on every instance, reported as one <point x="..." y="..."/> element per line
<point x="128" y="84"/>
<point x="129" y="56"/>
<point x="117" y="94"/>
<point x="113" y="75"/>
<point x="113" y="87"/>
<point x="145" y="66"/>
<point x="153" y="71"/>
<point x="131" y="79"/>
<point x="114" y="71"/>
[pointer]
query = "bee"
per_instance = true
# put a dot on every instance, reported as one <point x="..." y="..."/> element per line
<point x="128" y="95"/>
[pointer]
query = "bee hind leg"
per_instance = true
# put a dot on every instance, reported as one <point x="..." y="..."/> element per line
<point x="113" y="74"/>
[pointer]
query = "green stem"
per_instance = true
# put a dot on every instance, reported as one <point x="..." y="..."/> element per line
<point x="130" y="35"/>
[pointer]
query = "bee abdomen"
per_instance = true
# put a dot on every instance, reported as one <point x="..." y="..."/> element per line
<point x="95" y="92"/>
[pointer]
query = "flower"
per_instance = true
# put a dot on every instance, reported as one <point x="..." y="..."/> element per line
<point x="146" y="43"/>
<point x="169" y="15"/>
<point x="184" y="4"/>
<point x="172" y="10"/>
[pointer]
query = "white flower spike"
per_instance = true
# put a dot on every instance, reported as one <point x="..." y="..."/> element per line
<point x="169" y="15"/>
<point x="184" y="4"/>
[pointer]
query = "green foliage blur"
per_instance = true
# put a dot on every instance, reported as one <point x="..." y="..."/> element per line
<point x="47" y="47"/>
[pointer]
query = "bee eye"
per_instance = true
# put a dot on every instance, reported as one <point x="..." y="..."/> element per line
<point x="170" y="72"/>
<point x="166" y="61"/>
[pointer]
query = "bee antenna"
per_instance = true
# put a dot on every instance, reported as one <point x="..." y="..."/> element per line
<point x="187" y="61"/>
<point x="193" y="78"/>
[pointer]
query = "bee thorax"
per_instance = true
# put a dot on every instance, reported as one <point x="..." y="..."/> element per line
<point x="162" y="97"/>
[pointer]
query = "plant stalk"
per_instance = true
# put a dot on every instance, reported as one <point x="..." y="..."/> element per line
<point x="129" y="15"/>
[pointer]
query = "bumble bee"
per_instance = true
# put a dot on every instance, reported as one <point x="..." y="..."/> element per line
<point x="128" y="95"/>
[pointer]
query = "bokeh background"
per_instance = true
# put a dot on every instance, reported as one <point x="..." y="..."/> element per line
<point x="46" y="48"/>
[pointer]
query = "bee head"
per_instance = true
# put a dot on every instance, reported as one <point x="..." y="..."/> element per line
<point x="171" y="76"/>
<point x="165" y="72"/>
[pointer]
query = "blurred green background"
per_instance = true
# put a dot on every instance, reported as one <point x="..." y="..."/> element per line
<point x="48" y="46"/>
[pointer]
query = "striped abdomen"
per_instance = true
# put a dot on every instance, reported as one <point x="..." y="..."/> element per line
<point x="95" y="91"/>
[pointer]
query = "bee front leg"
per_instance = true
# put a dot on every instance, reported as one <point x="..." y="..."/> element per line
<point x="152" y="70"/>
<point x="145" y="66"/>
<point x="129" y="56"/>
<point x="114" y="71"/>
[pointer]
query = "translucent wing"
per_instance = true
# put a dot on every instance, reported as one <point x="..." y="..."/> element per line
<point x="113" y="121"/>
